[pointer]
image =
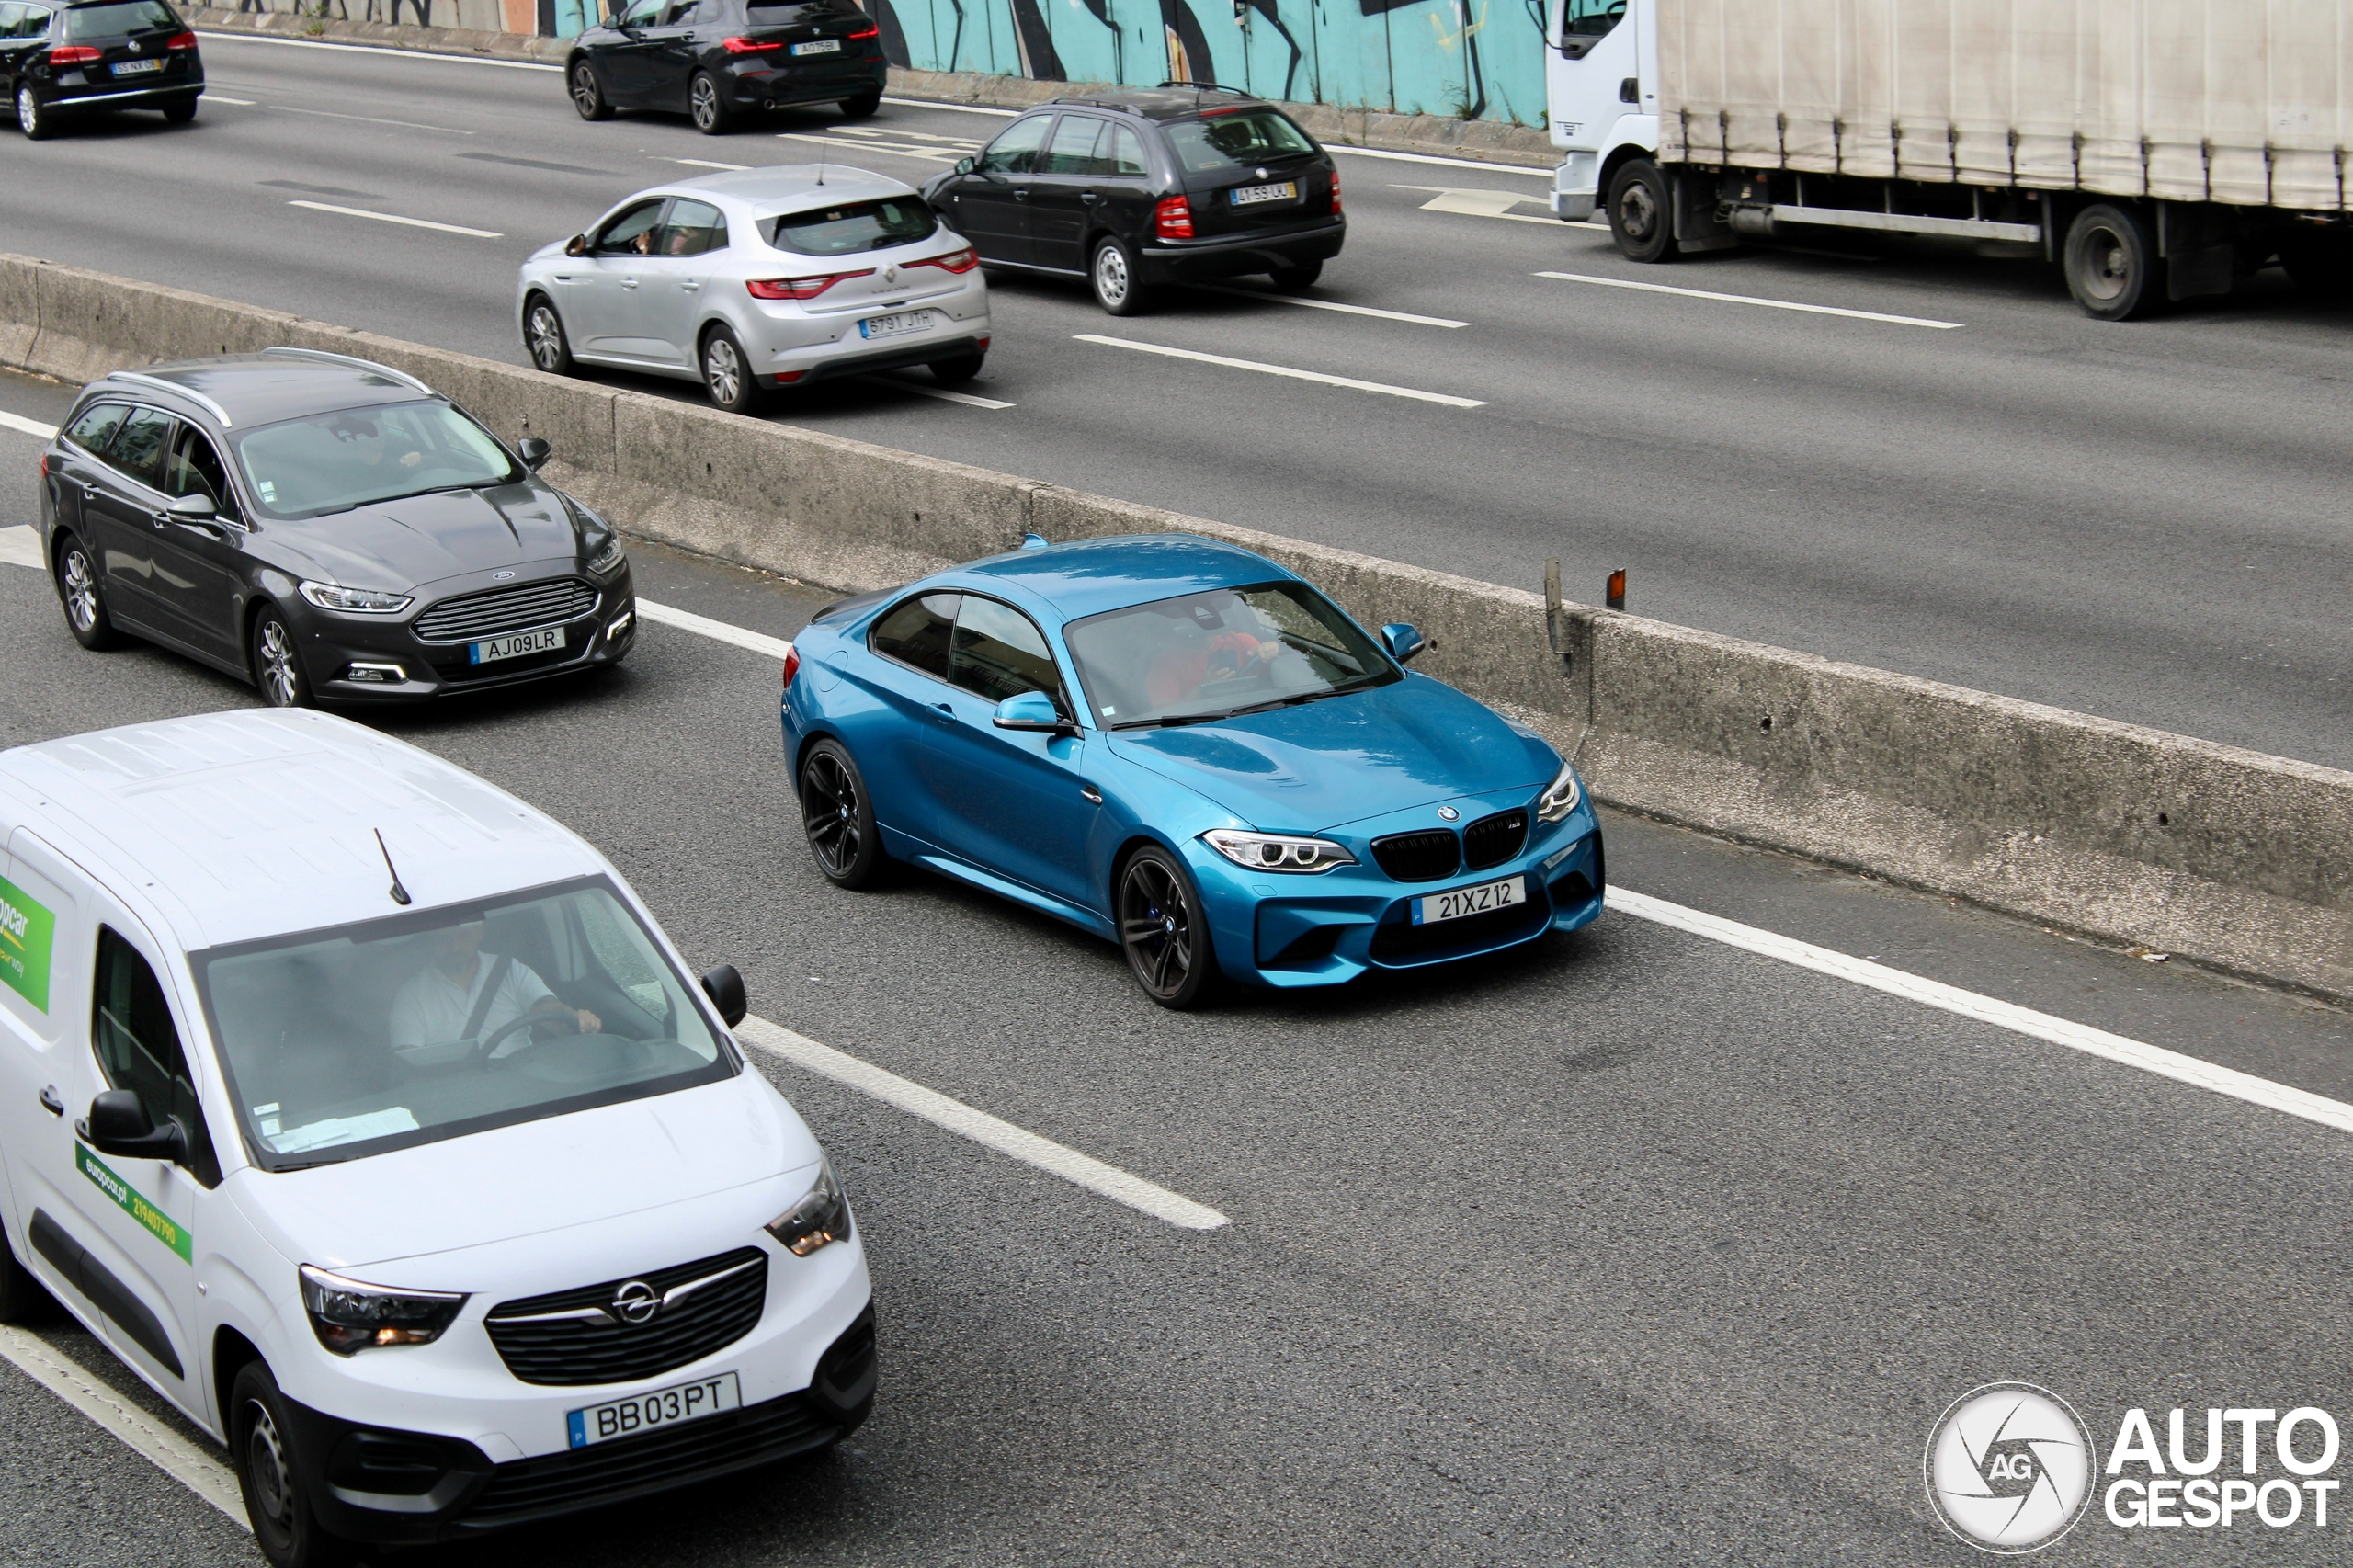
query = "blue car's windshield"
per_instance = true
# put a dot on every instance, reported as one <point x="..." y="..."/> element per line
<point x="1211" y="655"/>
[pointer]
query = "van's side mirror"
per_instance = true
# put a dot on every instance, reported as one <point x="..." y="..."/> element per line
<point x="724" y="986"/>
<point x="1033" y="710"/>
<point x="965" y="165"/>
<point x="1405" y="643"/>
<point x="534" y="451"/>
<point x="117" y="1125"/>
<point x="576" y="245"/>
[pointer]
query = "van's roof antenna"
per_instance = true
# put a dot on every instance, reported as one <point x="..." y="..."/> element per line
<point x="400" y="894"/>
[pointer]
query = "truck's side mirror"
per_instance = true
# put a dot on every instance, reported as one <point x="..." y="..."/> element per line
<point x="117" y="1125"/>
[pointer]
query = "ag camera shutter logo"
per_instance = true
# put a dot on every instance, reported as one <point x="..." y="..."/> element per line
<point x="2009" y="1467"/>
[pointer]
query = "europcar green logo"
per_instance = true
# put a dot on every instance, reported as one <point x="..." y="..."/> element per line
<point x="26" y="926"/>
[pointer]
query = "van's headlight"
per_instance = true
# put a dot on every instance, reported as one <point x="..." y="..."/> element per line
<point x="1561" y="797"/>
<point x="354" y="601"/>
<point x="607" y="559"/>
<point x="820" y="1217"/>
<point x="349" y="1317"/>
<point x="1278" y="851"/>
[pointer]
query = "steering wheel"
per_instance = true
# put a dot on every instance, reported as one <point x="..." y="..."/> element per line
<point x="521" y="1021"/>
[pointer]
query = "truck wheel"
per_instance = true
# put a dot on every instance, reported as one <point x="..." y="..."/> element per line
<point x="2111" y="263"/>
<point x="1641" y="211"/>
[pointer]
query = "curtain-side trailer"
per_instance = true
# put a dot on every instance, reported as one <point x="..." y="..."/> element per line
<point x="2154" y="149"/>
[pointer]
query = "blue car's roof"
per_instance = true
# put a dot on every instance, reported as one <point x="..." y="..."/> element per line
<point x="1088" y="576"/>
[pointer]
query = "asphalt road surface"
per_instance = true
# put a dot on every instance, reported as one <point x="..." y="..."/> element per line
<point x="2145" y="522"/>
<point x="1626" y="1248"/>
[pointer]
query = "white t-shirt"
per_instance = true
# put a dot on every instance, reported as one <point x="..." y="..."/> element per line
<point x="429" y="1012"/>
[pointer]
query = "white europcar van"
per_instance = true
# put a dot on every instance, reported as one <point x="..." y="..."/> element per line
<point x="365" y="1113"/>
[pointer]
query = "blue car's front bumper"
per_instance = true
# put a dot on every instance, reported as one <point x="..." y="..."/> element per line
<point x="1295" y="930"/>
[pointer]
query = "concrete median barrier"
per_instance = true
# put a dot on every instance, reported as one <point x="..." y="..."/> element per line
<point x="2233" y="858"/>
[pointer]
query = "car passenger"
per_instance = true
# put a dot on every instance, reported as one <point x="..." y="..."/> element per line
<point x="464" y="994"/>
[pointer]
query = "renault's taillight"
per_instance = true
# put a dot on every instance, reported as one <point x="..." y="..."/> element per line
<point x="799" y="287"/>
<point x="1172" y="219"/>
<point x="954" y="261"/>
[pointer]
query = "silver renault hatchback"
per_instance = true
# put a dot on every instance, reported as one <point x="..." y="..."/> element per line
<point x="760" y="279"/>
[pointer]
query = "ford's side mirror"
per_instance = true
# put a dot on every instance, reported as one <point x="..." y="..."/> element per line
<point x="576" y="245"/>
<point x="192" y="509"/>
<point x="1033" y="710"/>
<point x="1405" y="643"/>
<point x="724" y="986"/>
<point x="117" y="1125"/>
<point x="966" y="166"/>
<point x="534" y="451"/>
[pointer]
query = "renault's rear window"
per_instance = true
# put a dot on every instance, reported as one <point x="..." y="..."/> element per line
<point x="119" y="17"/>
<point x="854" y="226"/>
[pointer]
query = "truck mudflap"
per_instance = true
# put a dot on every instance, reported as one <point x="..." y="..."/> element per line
<point x="1697" y="227"/>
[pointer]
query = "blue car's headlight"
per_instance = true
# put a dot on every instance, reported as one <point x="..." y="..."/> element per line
<point x="1277" y="852"/>
<point x="1561" y="797"/>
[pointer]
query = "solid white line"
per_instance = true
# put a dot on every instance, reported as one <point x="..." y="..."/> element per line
<point x="241" y="103"/>
<point x="954" y="109"/>
<point x="20" y="546"/>
<point x="969" y="400"/>
<point x="706" y="164"/>
<point x="1013" y="1142"/>
<point x="1265" y="369"/>
<point x="377" y="49"/>
<point x="393" y="218"/>
<point x="2114" y="1048"/>
<point x="718" y="630"/>
<point x="1327" y="306"/>
<point x="192" y="1467"/>
<point x="1749" y="300"/>
<point x="19" y="423"/>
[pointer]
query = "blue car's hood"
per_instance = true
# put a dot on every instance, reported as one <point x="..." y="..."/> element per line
<point x="1320" y="764"/>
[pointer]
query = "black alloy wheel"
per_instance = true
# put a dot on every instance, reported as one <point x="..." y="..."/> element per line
<point x="32" y="116"/>
<point x="260" y="1446"/>
<point x="588" y="93"/>
<point x="2111" y="263"/>
<point x="179" y="113"/>
<point x="709" y="108"/>
<point x="78" y="593"/>
<point x="1296" y="279"/>
<point x="838" y="817"/>
<point x="863" y="105"/>
<point x="1642" y="215"/>
<point x="1113" y="276"/>
<point x="1164" y="931"/>
<point x="543" y="334"/>
<point x="727" y="373"/>
<point x="957" y="371"/>
<point x="277" y="666"/>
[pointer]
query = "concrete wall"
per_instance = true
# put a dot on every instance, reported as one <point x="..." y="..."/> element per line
<point x="2238" y="860"/>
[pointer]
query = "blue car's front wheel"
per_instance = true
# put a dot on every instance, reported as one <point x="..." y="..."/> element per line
<point x="1165" y="931"/>
<point x="839" y="816"/>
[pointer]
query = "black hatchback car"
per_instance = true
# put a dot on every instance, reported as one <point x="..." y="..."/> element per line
<point x="1136" y="188"/>
<point x="324" y="528"/>
<point x="721" y="61"/>
<point x="60" y="59"/>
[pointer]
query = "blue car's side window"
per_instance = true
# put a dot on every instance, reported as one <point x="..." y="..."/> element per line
<point x="917" y="632"/>
<point x="998" y="653"/>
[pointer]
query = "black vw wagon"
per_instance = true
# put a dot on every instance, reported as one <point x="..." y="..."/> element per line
<point x="1139" y="187"/>
<point x="60" y="59"/>
<point x="324" y="528"/>
<point x="721" y="61"/>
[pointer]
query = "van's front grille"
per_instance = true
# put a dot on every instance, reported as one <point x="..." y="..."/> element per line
<point x="573" y="1337"/>
<point x="516" y="607"/>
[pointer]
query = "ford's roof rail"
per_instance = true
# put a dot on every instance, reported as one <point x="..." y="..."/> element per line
<point x="190" y="393"/>
<point x="326" y="357"/>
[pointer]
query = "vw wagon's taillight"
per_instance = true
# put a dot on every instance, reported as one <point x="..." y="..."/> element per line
<point x="180" y="40"/>
<point x="1172" y="219"/>
<point x="72" y="54"/>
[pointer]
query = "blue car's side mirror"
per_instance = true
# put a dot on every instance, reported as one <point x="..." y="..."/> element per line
<point x="1033" y="710"/>
<point x="1405" y="642"/>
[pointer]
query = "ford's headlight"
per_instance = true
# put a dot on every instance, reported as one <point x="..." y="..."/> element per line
<point x="354" y="601"/>
<point x="349" y="1317"/>
<point x="821" y="1217"/>
<point x="1278" y="851"/>
<point x="1561" y="797"/>
<point x="607" y="559"/>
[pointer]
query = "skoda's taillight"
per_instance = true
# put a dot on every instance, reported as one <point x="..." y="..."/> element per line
<point x="1172" y="219"/>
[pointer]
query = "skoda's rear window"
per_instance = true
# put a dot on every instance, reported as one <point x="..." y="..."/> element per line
<point x="854" y="226"/>
<point x="116" y="19"/>
<point x="1230" y="137"/>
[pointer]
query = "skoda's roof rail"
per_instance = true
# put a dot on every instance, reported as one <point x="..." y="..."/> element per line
<point x="1209" y="87"/>
<point x="193" y="396"/>
<point x="354" y="362"/>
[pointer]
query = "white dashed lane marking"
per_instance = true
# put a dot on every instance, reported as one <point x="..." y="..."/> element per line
<point x="1263" y="369"/>
<point x="396" y="218"/>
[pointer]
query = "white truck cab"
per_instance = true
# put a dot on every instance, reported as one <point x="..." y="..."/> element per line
<point x="368" y="1116"/>
<point x="1601" y="90"/>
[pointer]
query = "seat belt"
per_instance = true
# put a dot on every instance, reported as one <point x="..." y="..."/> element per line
<point x="489" y="994"/>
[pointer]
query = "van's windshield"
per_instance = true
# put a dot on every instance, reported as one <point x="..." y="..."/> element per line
<point x="363" y="1039"/>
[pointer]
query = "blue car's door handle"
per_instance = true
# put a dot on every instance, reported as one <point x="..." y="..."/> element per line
<point x="944" y="713"/>
<point x="1093" y="795"/>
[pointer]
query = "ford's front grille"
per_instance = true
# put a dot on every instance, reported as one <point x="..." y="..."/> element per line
<point x="516" y="607"/>
<point x="1493" y="840"/>
<point x="1419" y="856"/>
<point x="580" y="1337"/>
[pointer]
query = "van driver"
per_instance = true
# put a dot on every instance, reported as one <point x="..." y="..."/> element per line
<point x="464" y="994"/>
